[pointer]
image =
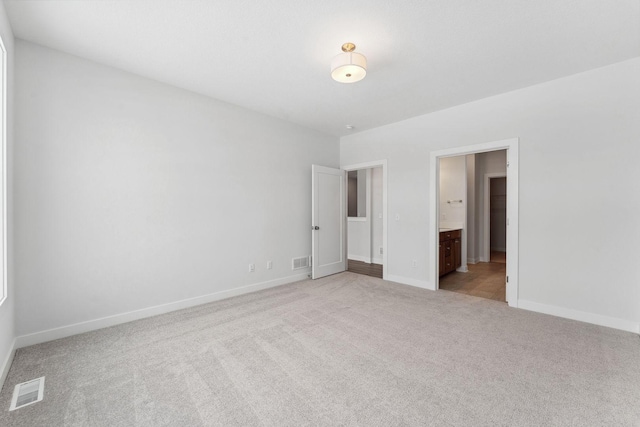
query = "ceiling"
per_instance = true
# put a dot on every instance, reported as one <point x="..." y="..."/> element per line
<point x="274" y="56"/>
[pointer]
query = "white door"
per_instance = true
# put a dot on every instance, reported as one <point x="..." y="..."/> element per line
<point x="328" y="221"/>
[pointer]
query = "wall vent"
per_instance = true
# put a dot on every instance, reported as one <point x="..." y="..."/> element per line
<point x="27" y="393"/>
<point x="301" y="262"/>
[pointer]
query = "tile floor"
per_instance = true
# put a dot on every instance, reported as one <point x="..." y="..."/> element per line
<point x="485" y="279"/>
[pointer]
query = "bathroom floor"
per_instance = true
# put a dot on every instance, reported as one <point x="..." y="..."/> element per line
<point x="484" y="279"/>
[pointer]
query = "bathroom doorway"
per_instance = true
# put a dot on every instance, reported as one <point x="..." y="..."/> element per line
<point x="464" y="218"/>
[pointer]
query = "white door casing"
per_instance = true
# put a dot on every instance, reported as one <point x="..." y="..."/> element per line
<point x="511" y="145"/>
<point x="328" y="221"/>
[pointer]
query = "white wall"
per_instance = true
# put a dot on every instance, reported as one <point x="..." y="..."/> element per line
<point x="453" y="187"/>
<point x="472" y="250"/>
<point x="578" y="147"/>
<point x="363" y="189"/>
<point x="376" y="215"/>
<point x="7" y="310"/>
<point x="132" y="194"/>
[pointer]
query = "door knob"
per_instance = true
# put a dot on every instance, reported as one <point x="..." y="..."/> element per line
<point x="315" y="227"/>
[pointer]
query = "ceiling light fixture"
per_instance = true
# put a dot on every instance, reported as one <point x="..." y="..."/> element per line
<point x="349" y="67"/>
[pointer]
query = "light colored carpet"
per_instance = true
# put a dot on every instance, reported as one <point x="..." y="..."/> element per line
<point x="343" y="350"/>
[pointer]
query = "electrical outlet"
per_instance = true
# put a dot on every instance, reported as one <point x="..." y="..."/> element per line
<point x="252" y="268"/>
<point x="269" y="265"/>
<point x="414" y="263"/>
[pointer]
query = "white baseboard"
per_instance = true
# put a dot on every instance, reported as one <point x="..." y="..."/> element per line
<point x="104" y="322"/>
<point x="410" y="281"/>
<point x="582" y="316"/>
<point x="359" y="258"/>
<point x="6" y="364"/>
<point x="472" y="260"/>
<point x="376" y="261"/>
<point x="463" y="269"/>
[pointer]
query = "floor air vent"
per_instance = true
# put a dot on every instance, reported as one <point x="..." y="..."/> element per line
<point x="302" y="262"/>
<point x="27" y="393"/>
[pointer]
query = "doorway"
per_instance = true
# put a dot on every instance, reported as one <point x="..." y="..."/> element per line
<point x="497" y="219"/>
<point x="364" y="222"/>
<point x="473" y="191"/>
<point x="367" y="218"/>
<point x="472" y="231"/>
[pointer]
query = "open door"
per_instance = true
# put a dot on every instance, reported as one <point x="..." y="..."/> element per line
<point x="328" y="221"/>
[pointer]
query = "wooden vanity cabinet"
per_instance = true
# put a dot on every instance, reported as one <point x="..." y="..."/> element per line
<point x="450" y="251"/>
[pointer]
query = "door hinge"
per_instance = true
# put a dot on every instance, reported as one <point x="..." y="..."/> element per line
<point x="507" y="279"/>
<point x="507" y="163"/>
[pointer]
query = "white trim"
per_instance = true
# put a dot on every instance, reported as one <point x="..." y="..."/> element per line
<point x="376" y="261"/>
<point x="3" y="197"/>
<point x="409" y="281"/>
<point x="6" y="364"/>
<point x="369" y="203"/>
<point x="511" y="145"/>
<point x="582" y="316"/>
<point x="359" y="258"/>
<point x="472" y="261"/>
<point x="104" y="322"/>
<point x="367" y="165"/>
<point x="486" y="244"/>
<point x="356" y="218"/>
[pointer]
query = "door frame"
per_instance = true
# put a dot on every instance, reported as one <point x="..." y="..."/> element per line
<point x="511" y="145"/>
<point x="385" y="248"/>
<point x="487" y="212"/>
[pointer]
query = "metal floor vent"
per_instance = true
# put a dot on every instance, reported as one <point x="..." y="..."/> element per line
<point x="27" y="393"/>
<point x="302" y="262"/>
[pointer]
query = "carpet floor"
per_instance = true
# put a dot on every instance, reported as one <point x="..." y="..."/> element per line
<point x="343" y="350"/>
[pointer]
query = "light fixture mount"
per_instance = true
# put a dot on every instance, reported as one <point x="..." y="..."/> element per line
<point x="348" y="47"/>
<point x="350" y="66"/>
